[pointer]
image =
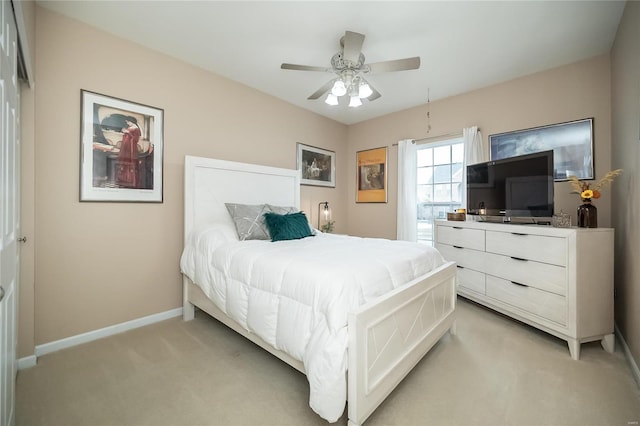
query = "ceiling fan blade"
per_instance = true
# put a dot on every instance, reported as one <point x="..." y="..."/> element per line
<point x="321" y="91"/>
<point x="352" y="46"/>
<point x="375" y="95"/>
<point x="397" y="65"/>
<point x="303" y="68"/>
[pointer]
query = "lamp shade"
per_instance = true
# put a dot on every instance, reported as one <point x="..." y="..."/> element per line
<point x="324" y="213"/>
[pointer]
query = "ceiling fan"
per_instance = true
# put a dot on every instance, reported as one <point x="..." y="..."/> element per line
<point x="349" y="67"/>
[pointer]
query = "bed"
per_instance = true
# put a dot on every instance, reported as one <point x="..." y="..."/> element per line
<point x="371" y="340"/>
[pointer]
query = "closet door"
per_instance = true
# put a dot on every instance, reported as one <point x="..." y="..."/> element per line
<point x="9" y="210"/>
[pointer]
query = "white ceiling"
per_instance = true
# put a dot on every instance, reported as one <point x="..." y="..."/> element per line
<point x="463" y="45"/>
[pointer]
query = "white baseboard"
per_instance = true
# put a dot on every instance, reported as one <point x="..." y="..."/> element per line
<point x="27" y="362"/>
<point x="89" y="336"/>
<point x="635" y="371"/>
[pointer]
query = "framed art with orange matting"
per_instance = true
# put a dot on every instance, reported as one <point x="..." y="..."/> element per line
<point x="372" y="176"/>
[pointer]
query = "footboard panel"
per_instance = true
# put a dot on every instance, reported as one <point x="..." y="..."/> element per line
<point x="390" y="335"/>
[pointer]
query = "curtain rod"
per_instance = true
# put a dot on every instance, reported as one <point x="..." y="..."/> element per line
<point x="453" y="134"/>
<point x="446" y="135"/>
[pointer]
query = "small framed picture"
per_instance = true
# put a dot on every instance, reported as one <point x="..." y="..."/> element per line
<point x="121" y="150"/>
<point x="371" y="166"/>
<point x="317" y="166"/>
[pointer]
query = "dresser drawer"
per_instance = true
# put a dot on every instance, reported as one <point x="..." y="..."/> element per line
<point x="461" y="237"/>
<point x="466" y="257"/>
<point x="545" y="249"/>
<point x="538" y="302"/>
<point x="543" y="276"/>
<point x="468" y="279"/>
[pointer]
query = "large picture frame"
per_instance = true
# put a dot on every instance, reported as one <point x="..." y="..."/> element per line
<point x="316" y="166"/>
<point x="371" y="180"/>
<point x="121" y="150"/>
<point x="571" y="142"/>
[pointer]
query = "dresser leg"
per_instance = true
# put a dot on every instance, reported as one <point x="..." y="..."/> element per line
<point x="453" y="329"/>
<point x="574" y="348"/>
<point x="608" y="343"/>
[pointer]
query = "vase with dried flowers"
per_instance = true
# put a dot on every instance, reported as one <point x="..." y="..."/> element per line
<point x="587" y="212"/>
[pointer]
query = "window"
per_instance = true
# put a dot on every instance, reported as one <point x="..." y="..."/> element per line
<point x="440" y="183"/>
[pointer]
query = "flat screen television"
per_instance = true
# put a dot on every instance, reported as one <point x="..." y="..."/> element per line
<point x="512" y="187"/>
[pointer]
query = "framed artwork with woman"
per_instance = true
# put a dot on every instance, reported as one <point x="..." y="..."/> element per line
<point x="121" y="152"/>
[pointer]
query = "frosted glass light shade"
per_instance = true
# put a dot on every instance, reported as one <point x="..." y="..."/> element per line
<point x="355" y="102"/>
<point x="339" y="89"/>
<point x="365" y="91"/>
<point x="331" y="99"/>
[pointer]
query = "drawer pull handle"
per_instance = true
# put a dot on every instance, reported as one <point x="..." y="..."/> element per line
<point x="519" y="258"/>
<point x="458" y="266"/>
<point x="457" y="227"/>
<point x="519" y="233"/>
<point x="520" y="284"/>
<point x="458" y="247"/>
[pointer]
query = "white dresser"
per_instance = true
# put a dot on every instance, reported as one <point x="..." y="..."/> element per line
<point x="559" y="280"/>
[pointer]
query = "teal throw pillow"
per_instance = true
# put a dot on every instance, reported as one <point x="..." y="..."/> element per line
<point x="291" y="226"/>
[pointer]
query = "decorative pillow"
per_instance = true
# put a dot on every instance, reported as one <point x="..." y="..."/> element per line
<point x="285" y="210"/>
<point x="290" y="226"/>
<point x="281" y="210"/>
<point x="249" y="220"/>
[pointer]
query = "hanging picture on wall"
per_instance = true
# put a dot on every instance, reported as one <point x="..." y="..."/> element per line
<point x="317" y="166"/>
<point x="371" y="166"/>
<point x="121" y="150"/>
<point x="571" y="142"/>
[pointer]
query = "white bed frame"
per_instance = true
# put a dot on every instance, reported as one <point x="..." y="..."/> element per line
<point x="387" y="337"/>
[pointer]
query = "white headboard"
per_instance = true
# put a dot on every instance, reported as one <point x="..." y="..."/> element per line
<point x="210" y="183"/>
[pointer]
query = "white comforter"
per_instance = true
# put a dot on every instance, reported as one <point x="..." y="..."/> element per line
<point x="296" y="295"/>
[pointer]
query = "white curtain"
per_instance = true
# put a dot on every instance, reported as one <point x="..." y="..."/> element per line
<point x="407" y="188"/>
<point x="475" y="150"/>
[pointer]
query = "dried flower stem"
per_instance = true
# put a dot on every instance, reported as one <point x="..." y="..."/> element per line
<point x="577" y="186"/>
<point x="580" y="186"/>
<point x="607" y="179"/>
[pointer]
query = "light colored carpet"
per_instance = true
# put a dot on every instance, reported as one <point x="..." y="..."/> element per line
<point x="495" y="371"/>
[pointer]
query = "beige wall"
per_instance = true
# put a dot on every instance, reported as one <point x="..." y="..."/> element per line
<point x="99" y="264"/>
<point x="625" y="60"/>
<point x="571" y="92"/>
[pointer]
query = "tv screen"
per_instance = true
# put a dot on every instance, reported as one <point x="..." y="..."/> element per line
<point x="514" y="187"/>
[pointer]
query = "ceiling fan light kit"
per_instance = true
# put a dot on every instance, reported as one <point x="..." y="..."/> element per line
<point x="348" y="65"/>
<point x="356" y="87"/>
